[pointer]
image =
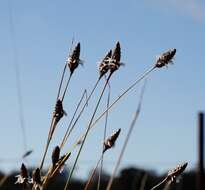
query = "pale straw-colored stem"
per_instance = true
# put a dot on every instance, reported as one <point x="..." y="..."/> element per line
<point x="123" y="94"/>
<point x="66" y="87"/>
<point x="104" y="137"/>
<point x="86" y="134"/>
<point x="143" y="181"/>
<point x="92" y="175"/>
<point x="109" y="108"/>
<point x="126" y="139"/>
<point x="159" y="184"/>
<point x="69" y="128"/>
<point x="61" y="82"/>
<point x="51" y="129"/>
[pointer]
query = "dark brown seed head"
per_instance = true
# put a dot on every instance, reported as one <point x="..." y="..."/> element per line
<point x="58" y="112"/>
<point x="172" y="174"/>
<point x="110" y="141"/>
<point x="24" y="171"/>
<point x="115" y="59"/>
<point x="165" y="58"/>
<point x="117" y="53"/>
<point x="104" y="65"/>
<point x="55" y="155"/>
<point x="36" y="176"/>
<point x="74" y="59"/>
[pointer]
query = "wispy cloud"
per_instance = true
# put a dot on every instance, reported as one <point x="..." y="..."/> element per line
<point x="192" y="8"/>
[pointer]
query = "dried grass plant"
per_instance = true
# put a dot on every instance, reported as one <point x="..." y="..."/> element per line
<point x="107" y="67"/>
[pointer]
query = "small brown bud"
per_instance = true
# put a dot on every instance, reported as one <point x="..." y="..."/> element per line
<point x="114" y="63"/>
<point x="55" y="155"/>
<point x="117" y="53"/>
<point x="110" y="141"/>
<point x="24" y="171"/>
<point x="58" y="112"/>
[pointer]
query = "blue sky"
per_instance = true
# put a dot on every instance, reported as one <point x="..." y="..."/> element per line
<point x="38" y="41"/>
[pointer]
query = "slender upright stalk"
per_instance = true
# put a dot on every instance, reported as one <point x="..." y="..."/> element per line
<point x="61" y="82"/>
<point x="66" y="87"/>
<point x="92" y="175"/>
<point x="123" y="94"/>
<point x="81" y="111"/>
<point x="69" y="130"/>
<point x="117" y="100"/>
<point x="51" y="130"/>
<point x="86" y="133"/>
<point x="167" y="186"/>
<point x="143" y="181"/>
<point x="159" y="184"/>
<point x="126" y="139"/>
<point x="3" y="180"/>
<point x="104" y="137"/>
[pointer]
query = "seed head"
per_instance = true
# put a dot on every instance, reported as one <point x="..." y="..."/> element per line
<point x="55" y="155"/>
<point x="36" y="176"/>
<point x="114" y="63"/>
<point x="74" y="59"/>
<point x="172" y="174"/>
<point x="23" y="177"/>
<point x="37" y="183"/>
<point x="24" y="171"/>
<point x="117" y="53"/>
<point x="58" y="112"/>
<point x="110" y="141"/>
<point x="104" y="65"/>
<point x="165" y="58"/>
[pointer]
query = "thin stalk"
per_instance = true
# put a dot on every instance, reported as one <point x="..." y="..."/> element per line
<point x="123" y="94"/>
<point x="61" y="82"/>
<point x="104" y="137"/>
<point x="74" y="146"/>
<point x="3" y="180"/>
<point x="65" y="90"/>
<point x="159" y="184"/>
<point x="88" y="128"/>
<point x="117" y="100"/>
<point x="167" y="186"/>
<point x="92" y="175"/>
<point x="69" y="130"/>
<point x="143" y="181"/>
<point x="86" y="103"/>
<point x="51" y="130"/>
<point x="126" y="139"/>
